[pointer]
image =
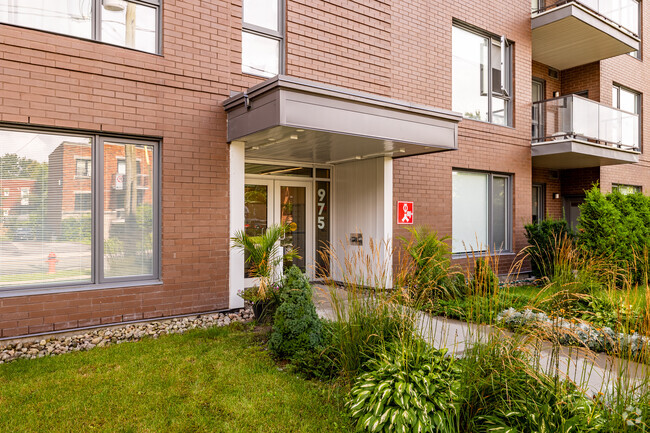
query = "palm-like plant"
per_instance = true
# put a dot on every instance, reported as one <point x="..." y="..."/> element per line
<point x="263" y="253"/>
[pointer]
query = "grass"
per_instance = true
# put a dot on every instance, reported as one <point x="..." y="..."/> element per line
<point x="39" y="276"/>
<point x="206" y="380"/>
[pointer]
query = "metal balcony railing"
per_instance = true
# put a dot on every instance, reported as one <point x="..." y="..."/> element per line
<point x="621" y="13"/>
<point x="573" y="117"/>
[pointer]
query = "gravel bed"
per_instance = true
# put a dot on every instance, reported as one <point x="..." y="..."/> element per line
<point x="57" y="345"/>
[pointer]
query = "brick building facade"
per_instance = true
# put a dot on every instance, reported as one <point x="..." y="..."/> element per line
<point x="375" y="59"/>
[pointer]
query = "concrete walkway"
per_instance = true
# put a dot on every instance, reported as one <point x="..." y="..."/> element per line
<point x="591" y="371"/>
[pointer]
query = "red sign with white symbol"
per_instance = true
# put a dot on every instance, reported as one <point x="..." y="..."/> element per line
<point x="404" y="212"/>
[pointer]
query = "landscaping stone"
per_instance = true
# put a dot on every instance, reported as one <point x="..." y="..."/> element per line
<point x="53" y="345"/>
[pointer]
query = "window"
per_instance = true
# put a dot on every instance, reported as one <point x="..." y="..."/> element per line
<point x="83" y="168"/>
<point x="82" y="201"/>
<point x="629" y="101"/>
<point x="480" y="212"/>
<point x="133" y="24"/>
<point x="539" y="192"/>
<point x="626" y="189"/>
<point x="24" y="196"/>
<point x="262" y="37"/>
<point x="73" y="216"/>
<point x="481" y="76"/>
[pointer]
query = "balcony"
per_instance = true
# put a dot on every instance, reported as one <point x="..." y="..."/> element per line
<point x="575" y="132"/>
<point x="573" y="33"/>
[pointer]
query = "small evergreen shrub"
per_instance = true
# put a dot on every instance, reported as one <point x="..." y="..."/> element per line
<point x="296" y="326"/>
<point x="322" y="361"/>
<point x="544" y="239"/>
<point x="616" y="227"/>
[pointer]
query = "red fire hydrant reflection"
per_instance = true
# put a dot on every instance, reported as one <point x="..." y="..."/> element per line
<point x="51" y="263"/>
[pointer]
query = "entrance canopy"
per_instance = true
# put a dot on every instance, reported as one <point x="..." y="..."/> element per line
<point x="290" y="119"/>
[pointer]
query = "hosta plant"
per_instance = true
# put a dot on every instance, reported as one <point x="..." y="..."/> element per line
<point x="408" y="389"/>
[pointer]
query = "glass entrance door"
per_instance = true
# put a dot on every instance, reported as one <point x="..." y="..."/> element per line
<point x="293" y="213"/>
<point x="281" y="201"/>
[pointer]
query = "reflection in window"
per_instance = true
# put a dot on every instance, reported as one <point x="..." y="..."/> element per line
<point x="626" y="189"/>
<point x="48" y="210"/>
<point x="128" y="213"/>
<point x="262" y="36"/>
<point x="481" y="77"/>
<point x="120" y="22"/>
<point x="134" y="27"/>
<point x="44" y="222"/>
<point x="71" y="17"/>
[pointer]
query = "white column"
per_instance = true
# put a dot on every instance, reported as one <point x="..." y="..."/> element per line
<point x="388" y="212"/>
<point x="236" y="270"/>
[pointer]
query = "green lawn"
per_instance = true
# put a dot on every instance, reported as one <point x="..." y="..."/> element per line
<point x="217" y="380"/>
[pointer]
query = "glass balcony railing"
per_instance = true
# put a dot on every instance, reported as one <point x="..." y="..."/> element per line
<point x="576" y="118"/>
<point x="622" y="13"/>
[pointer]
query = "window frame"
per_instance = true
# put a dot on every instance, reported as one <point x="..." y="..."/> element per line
<point x="99" y="207"/>
<point x="617" y="186"/>
<point x="508" y="248"/>
<point x="508" y="57"/>
<point x="264" y="32"/>
<point x="97" y="279"/>
<point x="541" y="201"/>
<point x="638" y="107"/>
<point x="96" y="23"/>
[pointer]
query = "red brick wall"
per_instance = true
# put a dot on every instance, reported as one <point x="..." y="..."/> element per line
<point x="399" y="49"/>
<point x="551" y="181"/>
<point x="577" y="181"/>
<point x="580" y="78"/>
<point x="423" y="70"/>
<point x="551" y="84"/>
<point x="52" y="80"/>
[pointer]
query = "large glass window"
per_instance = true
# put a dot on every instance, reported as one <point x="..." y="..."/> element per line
<point x="262" y="37"/>
<point x="132" y="23"/>
<point x="49" y="231"/>
<point x="480" y="212"/>
<point x="481" y="76"/>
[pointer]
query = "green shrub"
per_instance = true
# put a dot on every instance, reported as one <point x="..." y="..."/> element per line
<point x="296" y="325"/>
<point x="544" y="238"/>
<point x="407" y="389"/>
<point x="615" y="227"/>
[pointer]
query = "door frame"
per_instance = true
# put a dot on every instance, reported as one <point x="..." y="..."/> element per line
<point x="274" y="184"/>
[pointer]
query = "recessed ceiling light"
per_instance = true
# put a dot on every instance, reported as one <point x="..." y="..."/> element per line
<point x="255" y="148"/>
<point x="300" y="130"/>
<point x="293" y="137"/>
<point x="271" y="139"/>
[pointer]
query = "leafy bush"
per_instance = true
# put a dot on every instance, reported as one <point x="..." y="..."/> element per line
<point x="296" y="325"/>
<point x="544" y="238"/>
<point x="409" y="388"/>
